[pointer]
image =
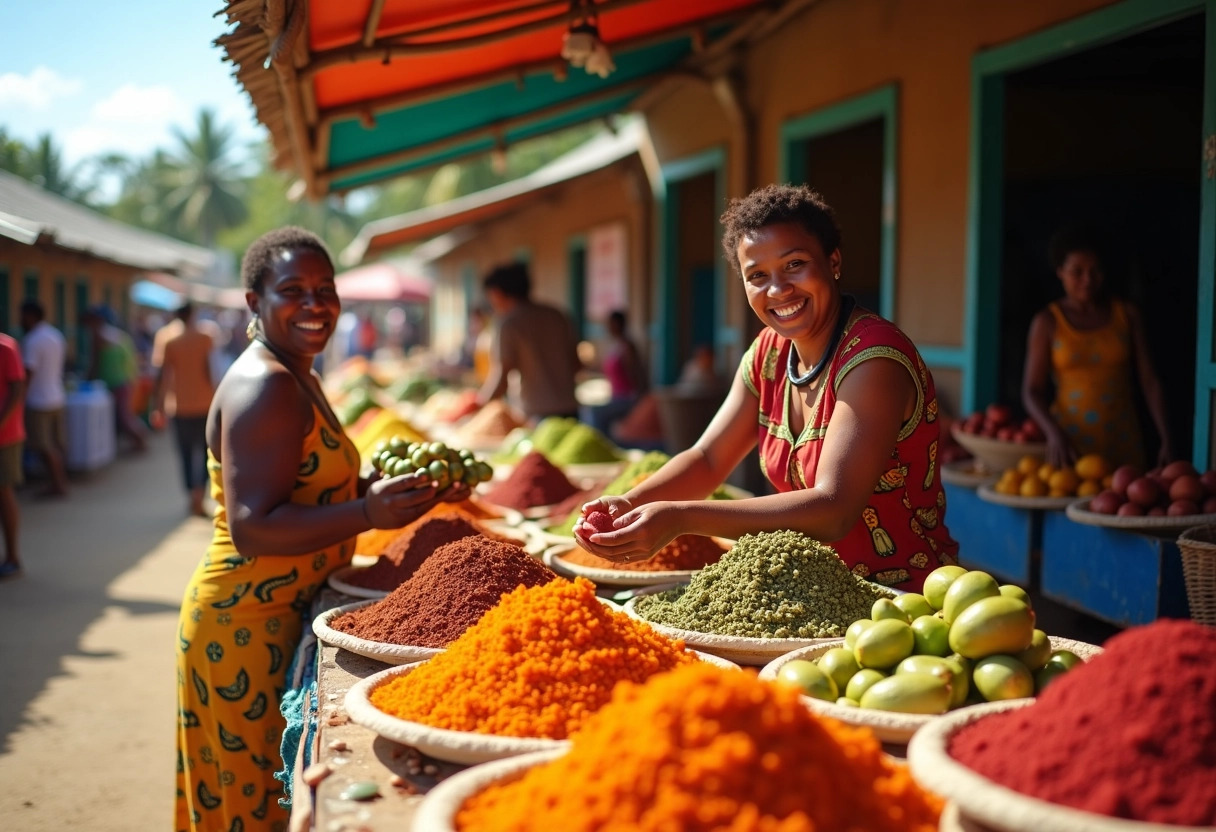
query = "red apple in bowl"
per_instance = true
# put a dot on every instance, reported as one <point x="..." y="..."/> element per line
<point x="1143" y="491"/>
<point x="1187" y="488"/>
<point x="1123" y="477"/>
<point x="1181" y="508"/>
<point x="1130" y="510"/>
<point x="1106" y="502"/>
<point x="1177" y="469"/>
<point x="998" y="414"/>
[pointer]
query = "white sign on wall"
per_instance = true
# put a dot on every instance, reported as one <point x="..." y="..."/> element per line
<point x="607" y="270"/>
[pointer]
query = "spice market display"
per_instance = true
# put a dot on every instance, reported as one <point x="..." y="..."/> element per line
<point x="648" y="737"/>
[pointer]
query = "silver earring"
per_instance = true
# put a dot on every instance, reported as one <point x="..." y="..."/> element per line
<point x="251" y="329"/>
<point x="837" y="275"/>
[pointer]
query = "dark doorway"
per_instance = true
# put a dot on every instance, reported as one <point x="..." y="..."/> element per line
<point x="1107" y="139"/>
<point x="846" y="166"/>
<point x="696" y="289"/>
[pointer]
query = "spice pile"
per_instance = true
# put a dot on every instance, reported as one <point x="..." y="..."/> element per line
<point x="686" y="552"/>
<point x="406" y="552"/>
<point x="1130" y="734"/>
<point x="536" y="665"/>
<point x="490" y="424"/>
<point x="722" y="750"/>
<point x="535" y="481"/>
<point x="582" y="445"/>
<point x="451" y="590"/>
<point x="770" y="585"/>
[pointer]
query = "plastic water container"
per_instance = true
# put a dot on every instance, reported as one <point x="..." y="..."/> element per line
<point x="89" y="418"/>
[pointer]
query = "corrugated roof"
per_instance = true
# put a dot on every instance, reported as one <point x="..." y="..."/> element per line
<point x="29" y="214"/>
<point x="593" y="155"/>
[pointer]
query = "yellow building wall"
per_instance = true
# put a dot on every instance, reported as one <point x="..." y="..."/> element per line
<point x="545" y="228"/>
<point x="50" y="265"/>
<point x="838" y="49"/>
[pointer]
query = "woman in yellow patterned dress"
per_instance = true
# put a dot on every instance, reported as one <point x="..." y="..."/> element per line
<point x="1087" y="345"/>
<point x="290" y="503"/>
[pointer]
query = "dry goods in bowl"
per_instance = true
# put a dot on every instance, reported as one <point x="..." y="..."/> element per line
<point x="721" y="751"/>
<point x="1130" y="734"/>
<point x="770" y="585"/>
<point x="536" y="665"/>
<point x="687" y="552"/>
<point x="535" y="481"/>
<point x="451" y="590"/>
<point x="411" y="547"/>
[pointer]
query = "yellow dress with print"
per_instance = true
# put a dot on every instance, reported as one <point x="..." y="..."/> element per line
<point x="240" y="623"/>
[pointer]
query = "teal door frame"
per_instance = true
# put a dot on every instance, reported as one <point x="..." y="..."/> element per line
<point x="986" y="192"/>
<point x="664" y="329"/>
<point x="796" y="133"/>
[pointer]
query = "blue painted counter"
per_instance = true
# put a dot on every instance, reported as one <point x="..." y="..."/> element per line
<point x="997" y="539"/>
<point x="1120" y="577"/>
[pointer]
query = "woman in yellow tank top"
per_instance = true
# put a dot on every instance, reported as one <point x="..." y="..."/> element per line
<point x="290" y="503"/>
<point x="1091" y="348"/>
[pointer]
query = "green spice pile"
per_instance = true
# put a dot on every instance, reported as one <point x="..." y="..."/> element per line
<point x="582" y="445"/>
<point x="550" y="433"/>
<point x="770" y="585"/>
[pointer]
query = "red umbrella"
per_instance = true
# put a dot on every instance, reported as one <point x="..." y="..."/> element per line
<point x="384" y="282"/>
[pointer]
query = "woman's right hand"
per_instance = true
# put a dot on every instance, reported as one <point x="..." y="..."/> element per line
<point x="398" y="501"/>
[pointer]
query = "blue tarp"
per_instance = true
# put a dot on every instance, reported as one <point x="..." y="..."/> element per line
<point x="147" y="293"/>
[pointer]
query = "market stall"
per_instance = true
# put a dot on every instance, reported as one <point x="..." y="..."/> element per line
<point x="429" y="692"/>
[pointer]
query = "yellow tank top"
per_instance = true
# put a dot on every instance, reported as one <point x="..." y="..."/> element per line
<point x="1095" y="400"/>
<point x="328" y="473"/>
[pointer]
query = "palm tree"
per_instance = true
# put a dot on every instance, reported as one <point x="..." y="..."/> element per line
<point x="44" y="166"/>
<point x="205" y="186"/>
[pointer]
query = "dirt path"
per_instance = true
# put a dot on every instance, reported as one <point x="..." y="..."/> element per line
<point x="87" y="694"/>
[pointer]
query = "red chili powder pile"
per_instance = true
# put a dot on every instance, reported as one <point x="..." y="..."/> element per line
<point x="1130" y="734"/>
<point x="688" y="551"/>
<point x="409" y="549"/>
<point x="535" y="481"/>
<point x="451" y="590"/>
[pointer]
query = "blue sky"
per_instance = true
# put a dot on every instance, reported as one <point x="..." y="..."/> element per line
<point x="115" y="76"/>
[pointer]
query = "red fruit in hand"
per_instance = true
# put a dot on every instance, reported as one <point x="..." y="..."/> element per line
<point x="599" y="521"/>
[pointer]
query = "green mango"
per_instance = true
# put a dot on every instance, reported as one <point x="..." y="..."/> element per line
<point x="992" y="625"/>
<point x="909" y="693"/>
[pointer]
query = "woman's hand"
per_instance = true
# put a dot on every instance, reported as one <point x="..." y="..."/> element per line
<point x="398" y="501"/>
<point x="1059" y="452"/>
<point x="614" y="507"/>
<point x="637" y="535"/>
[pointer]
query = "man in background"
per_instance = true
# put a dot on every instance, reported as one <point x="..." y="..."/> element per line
<point x="181" y="359"/>
<point x="12" y="443"/>
<point x="535" y="342"/>
<point x="44" y="350"/>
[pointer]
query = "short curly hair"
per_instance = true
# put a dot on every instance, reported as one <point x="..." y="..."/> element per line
<point x="1073" y="238"/>
<point x="778" y="203"/>
<point x="512" y="279"/>
<point x="259" y="257"/>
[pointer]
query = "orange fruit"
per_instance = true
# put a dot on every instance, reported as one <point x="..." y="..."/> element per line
<point x="1089" y="488"/>
<point x="1045" y="471"/>
<point x="1028" y="464"/>
<point x="1033" y="487"/>
<point x="1092" y="467"/>
<point x="1064" y="481"/>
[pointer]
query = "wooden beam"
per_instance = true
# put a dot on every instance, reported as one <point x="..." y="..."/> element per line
<point x="373" y="22"/>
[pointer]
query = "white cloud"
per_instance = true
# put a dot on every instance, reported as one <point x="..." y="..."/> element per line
<point x="36" y="91"/>
<point x="131" y="104"/>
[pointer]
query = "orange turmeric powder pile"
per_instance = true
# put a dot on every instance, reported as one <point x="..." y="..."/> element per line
<point x="701" y="749"/>
<point x="535" y="665"/>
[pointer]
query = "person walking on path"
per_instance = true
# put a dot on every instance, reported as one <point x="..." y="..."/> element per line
<point x="12" y="442"/>
<point x="533" y="340"/>
<point x="44" y="349"/>
<point x="115" y="364"/>
<point x="181" y="359"/>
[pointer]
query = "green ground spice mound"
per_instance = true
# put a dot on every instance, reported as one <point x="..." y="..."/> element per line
<point x="550" y="433"/>
<point x="582" y="445"/>
<point x="770" y="585"/>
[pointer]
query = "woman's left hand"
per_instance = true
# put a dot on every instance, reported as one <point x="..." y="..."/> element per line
<point x="637" y="536"/>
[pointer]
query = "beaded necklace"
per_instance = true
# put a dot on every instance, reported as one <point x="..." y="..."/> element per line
<point x="847" y="302"/>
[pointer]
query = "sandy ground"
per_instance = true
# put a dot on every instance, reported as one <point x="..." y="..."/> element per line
<point x="87" y="694"/>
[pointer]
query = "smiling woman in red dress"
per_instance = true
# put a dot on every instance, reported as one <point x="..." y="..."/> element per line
<point x="840" y="402"/>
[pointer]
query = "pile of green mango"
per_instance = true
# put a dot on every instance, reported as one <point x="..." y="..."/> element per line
<point x="433" y="460"/>
<point x="966" y="640"/>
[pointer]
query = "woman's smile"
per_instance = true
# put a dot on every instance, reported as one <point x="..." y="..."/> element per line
<point x="789" y="310"/>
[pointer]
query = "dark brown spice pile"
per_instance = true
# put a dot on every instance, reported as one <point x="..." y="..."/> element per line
<point x="448" y="593"/>
<point x="408" y="550"/>
<point x="535" y="481"/>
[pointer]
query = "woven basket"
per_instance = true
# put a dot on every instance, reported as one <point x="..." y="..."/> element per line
<point x="1198" y="547"/>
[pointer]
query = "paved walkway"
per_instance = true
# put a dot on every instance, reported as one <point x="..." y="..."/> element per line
<point x="87" y="694"/>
